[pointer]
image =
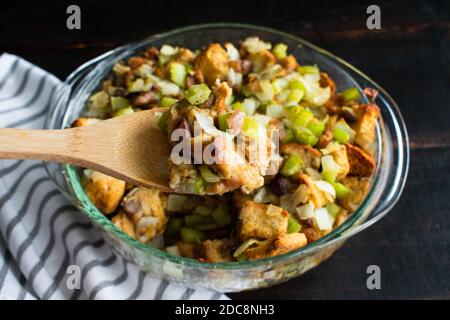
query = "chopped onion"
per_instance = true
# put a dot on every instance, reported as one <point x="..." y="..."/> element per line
<point x="168" y="50"/>
<point x="249" y="106"/>
<point x="168" y="88"/>
<point x="323" y="219"/>
<point x="244" y="246"/>
<point x="233" y="53"/>
<point x="255" y="45"/>
<point x="207" y="124"/>
<point x="264" y="120"/>
<point x="326" y="187"/>
<point x="306" y="211"/>
<point x="274" y="111"/>
<point x="173" y="250"/>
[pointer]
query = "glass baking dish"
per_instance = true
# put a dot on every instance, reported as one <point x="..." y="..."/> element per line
<point x="68" y="103"/>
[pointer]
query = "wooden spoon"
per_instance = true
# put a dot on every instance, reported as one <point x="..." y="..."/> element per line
<point x="130" y="148"/>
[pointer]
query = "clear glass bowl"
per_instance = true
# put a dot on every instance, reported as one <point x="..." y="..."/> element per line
<point x="393" y="159"/>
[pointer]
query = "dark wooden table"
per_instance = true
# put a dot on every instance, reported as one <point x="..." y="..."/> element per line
<point x="409" y="57"/>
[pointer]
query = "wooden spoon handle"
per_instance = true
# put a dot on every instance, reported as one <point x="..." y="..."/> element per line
<point x="49" y="145"/>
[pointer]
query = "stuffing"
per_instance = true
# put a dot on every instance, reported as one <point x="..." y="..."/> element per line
<point x="261" y="60"/>
<point x="104" y="191"/>
<point x="309" y="155"/>
<point x="188" y="249"/>
<point x="282" y="244"/>
<point x="124" y="223"/>
<point x="146" y="208"/>
<point x="358" y="190"/>
<point x="361" y="163"/>
<point x="339" y="154"/>
<point x="365" y="126"/>
<point x="212" y="63"/>
<point x="318" y="196"/>
<point x="289" y="63"/>
<point x="262" y="221"/>
<point x="217" y="250"/>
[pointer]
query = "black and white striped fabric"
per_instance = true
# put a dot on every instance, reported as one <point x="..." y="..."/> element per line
<point x="41" y="234"/>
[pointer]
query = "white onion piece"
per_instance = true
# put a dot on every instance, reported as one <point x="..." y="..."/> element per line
<point x="326" y="187"/>
<point x="173" y="250"/>
<point x="306" y="211"/>
<point x="323" y="219"/>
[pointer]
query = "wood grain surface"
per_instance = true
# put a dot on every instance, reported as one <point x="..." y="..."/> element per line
<point x="409" y="57"/>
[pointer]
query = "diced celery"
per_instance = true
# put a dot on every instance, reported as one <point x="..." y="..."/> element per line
<point x="328" y="176"/>
<point x="197" y="94"/>
<point x="341" y="190"/>
<point x="293" y="225"/>
<point x="178" y="73"/>
<point x="242" y="257"/>
<point x="291" y="165"/>
<point x="208" y="175"/>
<point x="191" y="235"/>
<point x="305" y="136"/>
<point x="250" y="127"/>
<point x="203" y="210"/>
<point x="316" y="126"/>
<point x="274" y="111"/>
<point x="288" y="136"/>
<point x="124" y="112"/>
<point x="173" y="226"/>
<point x="192" y="220"/>
<point x="246" y="91"/>
<point x="222" y="215"/>
<point x="167" y="102"/>
<point x="136" y="85"/>
<point x="199" y="185"/>
<point x="303" y="118"/>
<point x="295" y="96"/>
<point x="340" y="135"/>
<point x="280" y="51"/>
<point x="208" y="226"/>
<point x="176" y="202"/>
<point x="296" y="84"/>
<point x="330" y="168"/>
<point x="333" y="209"/>
<point x="162" y="122"/>
<point x="118" y="103"/>
<point x="238" y="106"/>
<point x="350" y="94"/>
<point x="223" y="121"/>
<point x="308" y="70"/>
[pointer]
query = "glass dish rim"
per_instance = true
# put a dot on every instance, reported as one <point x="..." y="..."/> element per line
<point x="336" y="235"/>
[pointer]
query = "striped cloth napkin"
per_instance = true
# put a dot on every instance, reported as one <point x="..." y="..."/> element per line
<point x="41" y="233"/>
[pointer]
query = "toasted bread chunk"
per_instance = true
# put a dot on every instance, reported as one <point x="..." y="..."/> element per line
<point x="188" y="249"/>
<point x="212" y="63"/>
<point x="282" y="244"/>
<point x="261" y="60"/>
<point x="262" y="221"/>
<point x="361" y="163"/>
<point x="309" y="155"/>
<point x="217" y="250"/>
<point x="146" y="208"/>
<point x="358" y="190"/>
<point x="365" y="126"/>
<point x="124" y="223"/>
<point x="339" y="154"/>
<point x="104" y="191"/>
